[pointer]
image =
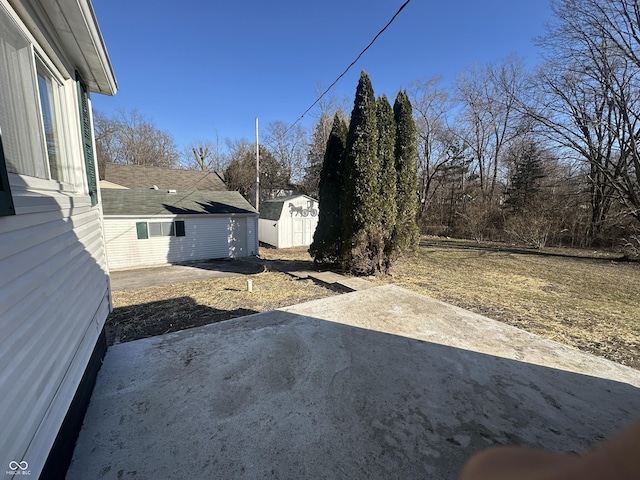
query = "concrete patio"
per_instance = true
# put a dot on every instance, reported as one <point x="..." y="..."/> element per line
<point x="381" y="383"/>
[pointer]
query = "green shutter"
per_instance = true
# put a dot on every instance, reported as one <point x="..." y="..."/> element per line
<point x="6" y="201"/>
<point x="180" y="228"/>
<point x="87" y="139"/>
<point x="143" y="232"/>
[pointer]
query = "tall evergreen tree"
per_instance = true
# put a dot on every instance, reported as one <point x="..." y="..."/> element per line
<point x="361" y="215"/>
<point x="315" y="156"/>
<point x="528" y="171"/>
<point x="326" y="245"/>
<point x="386" y="154"/>
<point x="406" y="233"/>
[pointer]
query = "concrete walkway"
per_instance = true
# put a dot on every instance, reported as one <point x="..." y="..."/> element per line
<point x="381" y="383"/>
<point x="135" y="279"/>
<point x="138" y="278"/>
<point x="334" y="280"/>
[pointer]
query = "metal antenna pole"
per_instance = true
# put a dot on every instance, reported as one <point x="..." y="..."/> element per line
<point x="257" y="169"/>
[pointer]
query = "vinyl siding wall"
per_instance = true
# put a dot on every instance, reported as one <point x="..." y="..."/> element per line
<point x="54" y="282"/>
<point x="293" y="229"/>
<point x="54" y="300"/>
<point x="206" y="237"/>
<point x="268" y="231"/>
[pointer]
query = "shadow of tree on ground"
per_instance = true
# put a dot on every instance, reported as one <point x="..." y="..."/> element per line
<point x="133" y="322"/>
<point x="522" y="250"/>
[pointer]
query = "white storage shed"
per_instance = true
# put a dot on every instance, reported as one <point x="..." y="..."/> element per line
<point x="150" y="227"/>
<point x="288" y="221"/>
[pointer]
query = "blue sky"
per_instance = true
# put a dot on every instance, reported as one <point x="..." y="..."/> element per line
<point x="198" y="67"/>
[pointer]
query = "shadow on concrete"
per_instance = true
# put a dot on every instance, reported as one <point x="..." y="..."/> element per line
<point x="290" y="396"/>
<point x="134" y="322"/>
<point x="227" y="265"/>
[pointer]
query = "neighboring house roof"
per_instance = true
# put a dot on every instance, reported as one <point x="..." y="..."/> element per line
<point x="271" y="209"/>
<point x="140" y="178"/>
<point x="154" y="202"/>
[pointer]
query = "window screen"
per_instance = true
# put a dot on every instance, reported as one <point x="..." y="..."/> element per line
<point x="19" y="118"/>
<point x="155" y="229"/>
<point x="50" y="108"/>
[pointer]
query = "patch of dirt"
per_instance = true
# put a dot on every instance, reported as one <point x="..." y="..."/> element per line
<point x="159" y="310"/>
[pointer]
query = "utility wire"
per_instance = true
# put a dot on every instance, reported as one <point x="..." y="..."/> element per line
<point x="189" y="193"/>
<point x="349" y="67"/>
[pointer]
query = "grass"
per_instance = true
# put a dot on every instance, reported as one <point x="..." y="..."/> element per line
<point x="158" y="310"/>
<point x="583" y="298"/>
<point x="586" y="299"/>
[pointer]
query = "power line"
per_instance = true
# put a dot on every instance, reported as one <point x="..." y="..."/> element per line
<point x="330" y="86"/>
<point x="349" y="67"/>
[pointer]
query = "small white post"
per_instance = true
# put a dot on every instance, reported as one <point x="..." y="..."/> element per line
<point x="249" y="285"/>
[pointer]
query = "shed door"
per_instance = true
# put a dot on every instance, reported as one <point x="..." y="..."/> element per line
<point x="301" y="231"/>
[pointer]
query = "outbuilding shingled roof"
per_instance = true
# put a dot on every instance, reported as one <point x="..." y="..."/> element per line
<point x="157" y="202"/>
<point x="140" y="178"/>
<point x="271" y="209"/>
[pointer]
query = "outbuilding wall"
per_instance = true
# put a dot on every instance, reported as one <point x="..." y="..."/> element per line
<point x="296" y="225"/>
<point x="206" y="237"/>
<point x="268" y="231"/>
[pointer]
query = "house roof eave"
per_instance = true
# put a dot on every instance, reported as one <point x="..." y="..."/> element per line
<point x="69" y="33"/>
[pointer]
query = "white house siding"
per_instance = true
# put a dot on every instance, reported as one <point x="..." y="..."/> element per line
<point x="252" y="235"/>
<point x="54" y="283"/>
<point x="54" y="300"/>
<point x="206" y="237"/>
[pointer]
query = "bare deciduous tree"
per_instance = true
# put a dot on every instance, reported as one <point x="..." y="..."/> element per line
<point x="204" y="155"/>
<point x="129" y="138"/>
<point x="431" y="109"/>
<point x="489" y="119"/>
<point x="289" y="148"/>
<point x="587" y="99"/>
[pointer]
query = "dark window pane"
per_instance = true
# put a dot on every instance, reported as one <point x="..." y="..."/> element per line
<point x="6" y="201"/>
<point x="180" y="232"/>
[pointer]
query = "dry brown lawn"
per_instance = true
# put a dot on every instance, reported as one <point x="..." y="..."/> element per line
<point x="583" y="298"/>
<point x="158" y="310"/>
<point x="586" y="299"/>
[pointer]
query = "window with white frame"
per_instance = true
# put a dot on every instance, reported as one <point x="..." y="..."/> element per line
<point x="51" y="102"/>
<point x="39" y="119"/>
<point x="161" y="229"/>
<point x="19" y="117"/>
<point x="147" y="230"/>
